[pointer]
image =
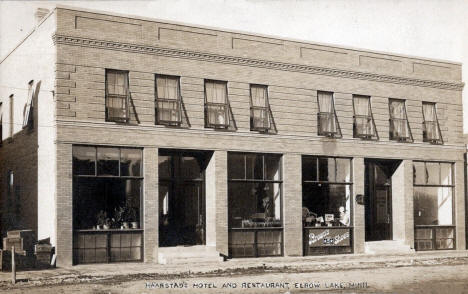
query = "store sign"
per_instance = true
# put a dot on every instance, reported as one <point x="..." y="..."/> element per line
<point x="329" y="237"/>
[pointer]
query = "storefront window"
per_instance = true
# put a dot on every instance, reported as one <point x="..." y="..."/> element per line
<point x="326" y="191"/>
<point x="107" y="188"/>
<point x="433" y="205"/>
<point x="326" y="210"/>
<point x="254" y="194"/>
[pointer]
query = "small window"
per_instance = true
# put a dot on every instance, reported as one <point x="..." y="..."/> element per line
<point x="28" y="118"/>
<point x="216" y="105"/>
<point x="259" y="109"/>
<point x="168" y="100"/>
<point x="364" y="126"/>
<point x="117" y="96"/>
<point x="399" y="126"/>
<point x="327" y="121"/>
<point x="431" y="129"/>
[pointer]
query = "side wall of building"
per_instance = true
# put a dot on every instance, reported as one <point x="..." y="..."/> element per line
<point x="29" y="154"/>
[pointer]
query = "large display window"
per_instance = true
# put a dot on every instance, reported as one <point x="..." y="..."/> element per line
<point x="254" y="195"/>
<point x="433" y="205"/>
<point x="107" y="188"/>
<point x="326" y="205"/>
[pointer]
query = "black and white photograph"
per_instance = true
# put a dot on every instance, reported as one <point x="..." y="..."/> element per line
<point x="233" y="146"/>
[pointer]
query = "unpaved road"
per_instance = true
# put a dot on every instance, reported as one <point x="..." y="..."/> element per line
<point x="414" y="279"/>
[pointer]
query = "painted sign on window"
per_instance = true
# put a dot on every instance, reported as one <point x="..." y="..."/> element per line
<point x="328" y="237"/>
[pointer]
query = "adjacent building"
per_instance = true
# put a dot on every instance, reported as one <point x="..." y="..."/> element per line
<point x="125" y="138"/>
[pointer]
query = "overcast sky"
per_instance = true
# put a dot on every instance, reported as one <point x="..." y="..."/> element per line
<point x="427" y="28"/>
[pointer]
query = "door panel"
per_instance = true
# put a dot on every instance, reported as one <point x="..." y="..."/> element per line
<point x="378" y="205"/>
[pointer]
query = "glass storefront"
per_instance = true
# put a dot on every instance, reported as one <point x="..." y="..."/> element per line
<point x="326" y="210"/>
<point x="255" y="205"/>
<point x="433" y="205"/>
<point x="107" y="188"/>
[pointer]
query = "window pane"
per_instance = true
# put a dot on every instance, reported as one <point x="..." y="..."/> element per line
<point x="84" y="160"/>
<point x="254" y="166"/>
<point x="327" y="169"/>
<point x="272" y="167"/>
<point x="309" y="168"/>
<point x="108" y="161"/>
<point x="117" y="83"/>
<point x="99" y="199"/>
<point x="343" y="170"/>
<point x="446" y="173"/>
<point x="419" y="173"/>
<point x="130" y="164"/>
<point x="327" y="203"/>
<point x="236" y="166"/>
<point x="433" y="173"/>
<point x="165" y="166"/>
<point x="254" y="204"/>
<point x="432" y="206"/>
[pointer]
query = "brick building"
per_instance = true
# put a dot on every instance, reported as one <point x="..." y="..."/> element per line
<point x="124" y="138"/>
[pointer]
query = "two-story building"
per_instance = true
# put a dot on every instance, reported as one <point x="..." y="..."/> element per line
<point x="125" y="138"/>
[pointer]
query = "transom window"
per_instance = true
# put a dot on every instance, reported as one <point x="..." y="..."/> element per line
<point x="327" y="121"/>
<point x="364" y="126"/>
<point x="216" y="104"/>
<point x="259" y="108"/>
<point x="399" y="126"/>
<point x="431" y="129"/>
<point x="168" y="100"/>
<point x="117" y="95"/>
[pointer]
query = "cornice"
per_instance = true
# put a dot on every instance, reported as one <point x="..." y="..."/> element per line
<point x="212" y="57"/>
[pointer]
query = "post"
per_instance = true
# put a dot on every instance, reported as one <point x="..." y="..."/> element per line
<point x="13" y="265"/>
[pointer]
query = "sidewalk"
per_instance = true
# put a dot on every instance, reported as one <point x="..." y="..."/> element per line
<point x="148" y="271"/>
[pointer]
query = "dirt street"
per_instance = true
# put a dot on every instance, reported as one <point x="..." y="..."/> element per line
<point x="414" y="279"/>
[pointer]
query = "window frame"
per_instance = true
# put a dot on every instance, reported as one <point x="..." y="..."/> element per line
<point x="125" y="97"/>
<point x="257" y="230"/>
<point x="337" y="133"/>
<point x="392" y="137"/>
<point x="440" y="140"/>
<point x="28" y="115"/>
<point x="224" y="105"/>
<point x="434" y="228"/>
<point x="370" y="117"/>
<point x="178" y="102"/>
<point x="266" y="109"/>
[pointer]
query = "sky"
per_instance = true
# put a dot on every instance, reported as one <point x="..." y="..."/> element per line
<point x="425" y="28"/>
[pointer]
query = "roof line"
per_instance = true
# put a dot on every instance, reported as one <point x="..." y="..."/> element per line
<point x="130" y="16"/>
<point x="28" y="35"/>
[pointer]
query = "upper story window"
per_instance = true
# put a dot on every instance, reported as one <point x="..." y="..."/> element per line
<point x="259" y="109"/>
<point x="399" y="126"/>
<point x="364" y="126"/>
<point x="431" y="129"/>
<point x="168" y="100"/>
<point x="28" y="117"/>
<point x="117" y="96"/>
<point x="327" y="121"/>
<point x="216" y="104"/>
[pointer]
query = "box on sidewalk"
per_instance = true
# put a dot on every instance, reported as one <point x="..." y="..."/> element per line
<point x="43" y="254"/>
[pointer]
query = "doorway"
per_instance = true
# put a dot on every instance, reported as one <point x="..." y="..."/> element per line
<point x="182" y="197"/>
<point x="378" y="200"/>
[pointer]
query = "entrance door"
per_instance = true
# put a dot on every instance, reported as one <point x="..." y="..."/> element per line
<point x="181" y="199"/>
<point x="378" y="204"/>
